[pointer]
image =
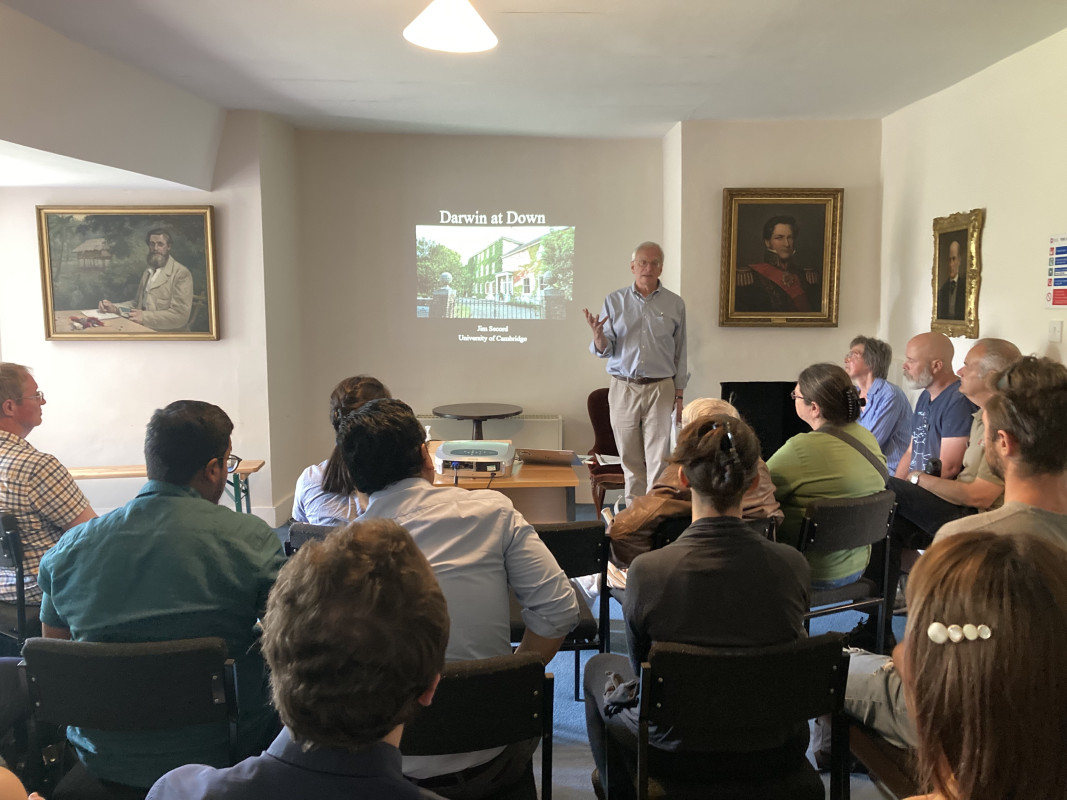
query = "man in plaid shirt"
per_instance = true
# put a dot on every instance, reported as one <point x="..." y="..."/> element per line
<point x="34" y="486"/>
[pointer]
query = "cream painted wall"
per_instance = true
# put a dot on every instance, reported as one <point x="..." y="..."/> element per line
<point x="101" y="394"/>
<point x="993" y="141"/>
<point x="673" y="202"/>
<point x="809" y="154"/>
<point x="360" y="198"/>
<point x="290" y="403"/>
<point x="63" y="97"/>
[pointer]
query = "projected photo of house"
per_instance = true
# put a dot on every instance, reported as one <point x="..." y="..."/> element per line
<point x="491" y="272"/>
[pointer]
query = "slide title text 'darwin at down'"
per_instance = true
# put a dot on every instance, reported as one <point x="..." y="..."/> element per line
<point x="500" y="218"/>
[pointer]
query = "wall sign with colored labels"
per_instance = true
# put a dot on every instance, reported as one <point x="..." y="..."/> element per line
<point x="1056" y="282"/>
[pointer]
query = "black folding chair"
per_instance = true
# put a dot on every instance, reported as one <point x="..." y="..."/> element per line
<point x="670" y="529"/>
<point x="843" y="524"/>
<point x="129" y="687"/>
<point x="732" y="694"/>
<point x="17" y="622"/>
<point x="300" y="533"/>
<point x="580" y="548"/>
<point x="487" y="703"/>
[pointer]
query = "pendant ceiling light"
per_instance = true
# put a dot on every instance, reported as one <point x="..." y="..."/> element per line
<point x="452" y="26"/>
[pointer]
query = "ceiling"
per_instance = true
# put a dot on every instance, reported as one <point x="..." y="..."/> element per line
<point x="580" y="68"/>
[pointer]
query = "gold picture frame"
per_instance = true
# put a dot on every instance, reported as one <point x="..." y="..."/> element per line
<point x="128" y="272"/>
<point x="957" y="248"/>
<point x="769" y="279"/>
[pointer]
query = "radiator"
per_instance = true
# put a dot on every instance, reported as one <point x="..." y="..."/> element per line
<point x="542" y="431"/>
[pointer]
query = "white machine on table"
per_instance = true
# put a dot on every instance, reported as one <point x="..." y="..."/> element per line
<point x="469" y="458"/>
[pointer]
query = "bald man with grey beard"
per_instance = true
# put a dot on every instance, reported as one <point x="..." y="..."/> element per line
<point x="941" y="422"/>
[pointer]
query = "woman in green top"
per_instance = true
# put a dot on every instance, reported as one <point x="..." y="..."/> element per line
<point x="817" y="465"/>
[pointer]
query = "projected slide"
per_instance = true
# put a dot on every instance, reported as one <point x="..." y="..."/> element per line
<point x="483" y="271"/>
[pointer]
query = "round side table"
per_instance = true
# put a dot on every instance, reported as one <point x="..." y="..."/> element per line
<point x="478" y="413"/>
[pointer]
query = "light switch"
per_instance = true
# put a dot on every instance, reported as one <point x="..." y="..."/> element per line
<point x="1055" y="331"/>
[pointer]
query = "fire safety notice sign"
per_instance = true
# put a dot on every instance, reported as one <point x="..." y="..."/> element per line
<point x="1056" y="288"/>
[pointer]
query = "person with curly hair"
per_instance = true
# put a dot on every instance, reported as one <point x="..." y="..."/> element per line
<point x="355" y="635"/>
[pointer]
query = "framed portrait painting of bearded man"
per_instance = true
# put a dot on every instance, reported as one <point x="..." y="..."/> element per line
<point x="781" y="255"/>
<point x="128" y="272"/>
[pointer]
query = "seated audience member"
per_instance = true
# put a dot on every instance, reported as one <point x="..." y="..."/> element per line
<point x="45" y="501"/>
<point x="836" y="459"/>
<point x="170" y="564"/>
<point x="632" y="529"/>
<point x="983" y="662"/>
<point x="1026" y="426"/>
<point x="942" y="419"/>
<point x="355" y="637"/>
<point x="926" y="502"/>
<point x="886" y="411"/>
<point x="34" y="486"/>
<point x="1025" y="436"/>
<point x="478" y="546"/>
<point x="324" y="493"/>
<point x="721" y="583"/>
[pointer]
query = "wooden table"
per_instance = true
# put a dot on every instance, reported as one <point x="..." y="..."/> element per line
<point x="541" y="493"/>
<point x="116" y="325"/>
<point x="239" y="478"/>
<point x="478" y="412"/>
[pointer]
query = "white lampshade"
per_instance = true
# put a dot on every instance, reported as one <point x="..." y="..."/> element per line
<point x="452" y="26"/>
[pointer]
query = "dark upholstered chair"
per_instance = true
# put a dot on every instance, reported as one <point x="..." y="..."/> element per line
<point x="487" y="703"/>
<point x="607" y="476"/>
<point x="842" y="524"/>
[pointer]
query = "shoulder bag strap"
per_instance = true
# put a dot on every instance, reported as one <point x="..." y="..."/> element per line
<point x="849" y="439"/>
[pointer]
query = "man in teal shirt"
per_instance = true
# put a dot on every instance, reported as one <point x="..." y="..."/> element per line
<point x="170" y="564"/>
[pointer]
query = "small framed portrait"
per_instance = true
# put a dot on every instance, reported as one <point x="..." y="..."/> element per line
<point x="957" y="273"/>
<point x="781" y="255"/>
<point x="128" y="272"/>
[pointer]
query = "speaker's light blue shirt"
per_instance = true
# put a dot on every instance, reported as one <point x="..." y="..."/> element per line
<point x="646" y="335"/>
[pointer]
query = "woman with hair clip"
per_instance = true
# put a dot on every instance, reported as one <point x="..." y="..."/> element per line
<point x="324" y="493"/>
<point x="984" y="666"/>
<point x="833" y="460"/>
<point x="721" y="583"/>
<point x="634" y="528"/>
